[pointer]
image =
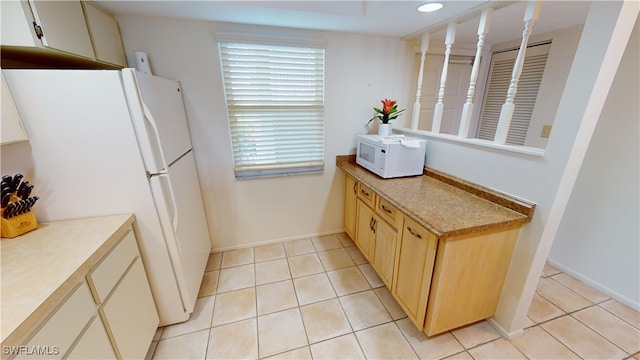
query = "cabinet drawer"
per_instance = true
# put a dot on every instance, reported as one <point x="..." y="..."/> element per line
<point x="108" y="272"/>
<point x="59" y="332"/>
<point x="367" y="195"/>
<point x="387" y="211"/>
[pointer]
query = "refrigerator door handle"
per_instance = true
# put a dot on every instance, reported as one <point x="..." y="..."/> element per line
<point x="149" y="118"/>
<point x="174" y="205"/>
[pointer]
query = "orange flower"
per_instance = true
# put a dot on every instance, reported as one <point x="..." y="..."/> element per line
<point x="387" y="105"/>
<point x="388" y="112"/>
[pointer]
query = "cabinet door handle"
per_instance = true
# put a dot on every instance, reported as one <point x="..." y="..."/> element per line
<point x="373" y="228"/>
<point x="413" y="233"/>
<point x="355" y="188"/>
<point x="385" y="209"/>
<point x="364" y="192"/>
<point x="371" y="224"/>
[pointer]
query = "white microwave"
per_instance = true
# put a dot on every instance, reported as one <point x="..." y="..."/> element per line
<point x="391" y="156"/>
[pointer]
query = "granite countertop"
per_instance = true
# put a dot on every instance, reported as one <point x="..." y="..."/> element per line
<point x="445" y="205"/>
<point x="41" y="267"/>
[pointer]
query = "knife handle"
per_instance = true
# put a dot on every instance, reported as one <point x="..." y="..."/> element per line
<point x="27" y="191"/>
<point x="8" y="212"/>
<point x="16" y="182"/>
<point x="21" y="189"/>
<point x="5" y="200"/>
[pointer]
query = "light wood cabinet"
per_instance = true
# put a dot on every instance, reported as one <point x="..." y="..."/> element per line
<point x="384" y="251"/>
<point x="350" y="196"/>
<point x="377" y="232"/>
<point x="441" y="282"/>
<point x="12" y="130"/>
<point x="365" y="233"/>
<point x="414" y="266"/>
<point x="468" y="276"/>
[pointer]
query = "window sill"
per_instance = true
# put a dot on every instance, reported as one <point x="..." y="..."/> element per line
<point x="473" y="142"/>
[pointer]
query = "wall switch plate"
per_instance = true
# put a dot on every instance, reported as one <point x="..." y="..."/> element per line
<point x="546" y="131"/>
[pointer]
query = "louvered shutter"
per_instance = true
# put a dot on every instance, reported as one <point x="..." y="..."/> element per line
<point x="527" y="92"/>
<point x="275" y="104"/>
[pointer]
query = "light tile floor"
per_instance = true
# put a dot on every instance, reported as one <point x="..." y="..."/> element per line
<point x="320" y="299"/>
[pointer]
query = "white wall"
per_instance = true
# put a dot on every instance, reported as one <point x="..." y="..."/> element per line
<point x="360" y="71"/>
<point x="599" y="237"/>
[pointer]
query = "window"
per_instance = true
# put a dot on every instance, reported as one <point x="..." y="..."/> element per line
<point x="275" y="105"/>
<point x="496" y="92"/>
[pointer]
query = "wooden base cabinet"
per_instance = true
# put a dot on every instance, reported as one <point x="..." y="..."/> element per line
<point x="350" y="196"/>
<point x="413" y="269"/>
<point x="468" y="276"/>
<point x="377" y="235"/>
<point x="440" y="283"/>
<point x="365" y="232"/>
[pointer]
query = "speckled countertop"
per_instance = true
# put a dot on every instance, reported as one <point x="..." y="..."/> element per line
<point x="41" y="267"/>
<point x="445" y="205"/>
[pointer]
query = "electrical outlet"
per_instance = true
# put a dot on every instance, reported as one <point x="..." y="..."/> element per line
<point x="546" y="131"/>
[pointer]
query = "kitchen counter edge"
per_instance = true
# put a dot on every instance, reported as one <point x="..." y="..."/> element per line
<point x="522" y="209"/>
<point x="110" y="229"/>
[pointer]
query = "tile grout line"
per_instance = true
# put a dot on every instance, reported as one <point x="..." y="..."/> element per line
<point x="614" y="314"/>
<point x="372" y="288"/>
<point x="596" y="332"/>
<point x="560" y="341"/>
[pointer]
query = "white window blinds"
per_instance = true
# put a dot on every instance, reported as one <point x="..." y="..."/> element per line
<point x="275" y="104"/>
<point x="527" y="92"/>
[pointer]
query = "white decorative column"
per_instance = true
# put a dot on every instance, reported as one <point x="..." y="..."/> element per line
<point x="467" y="109"/>
<point x="437" y="111"/>
<point x="530" y="16"/>
<point x="424" y="46"/>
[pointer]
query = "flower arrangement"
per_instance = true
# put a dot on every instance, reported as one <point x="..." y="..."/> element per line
<point x="388" y="112"/>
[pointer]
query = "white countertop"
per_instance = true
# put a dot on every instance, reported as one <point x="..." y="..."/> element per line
<point x="41" y="267"/>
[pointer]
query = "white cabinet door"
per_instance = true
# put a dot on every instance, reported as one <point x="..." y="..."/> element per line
<point x="56" y="336"/>
<point x="16" y="23"/>
<point x="94" y="343"/>
<point x="64" y="26"/>
<point x="105" y="34"/>
<point x="130" y="314"/>
<point x="12" y="129"/>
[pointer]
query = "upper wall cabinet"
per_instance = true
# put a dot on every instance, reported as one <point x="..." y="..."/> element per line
<point x="61" y="26"/>
<point x="105" y="34"/>
<point x="79" y="31"/>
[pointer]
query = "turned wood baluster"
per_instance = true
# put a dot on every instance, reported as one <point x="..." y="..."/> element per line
<point x="467" y="110"/>
<point x="530" y="16"/>
<point x="439" y="108"/>
<point x="424" y="46"/>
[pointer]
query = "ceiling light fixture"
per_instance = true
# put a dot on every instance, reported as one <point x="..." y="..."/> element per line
<point x="430" y="7"/>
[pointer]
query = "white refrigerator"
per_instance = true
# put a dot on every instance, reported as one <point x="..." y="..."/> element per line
<point x="104" y="142"/>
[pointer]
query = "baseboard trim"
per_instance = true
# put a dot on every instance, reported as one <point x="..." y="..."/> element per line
<point x="274" y="241"/>
<point x="596" y="285"/>
<point x="505" y="334"/>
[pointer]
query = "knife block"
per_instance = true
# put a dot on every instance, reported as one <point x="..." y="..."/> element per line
<point x="18" y="225"/>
